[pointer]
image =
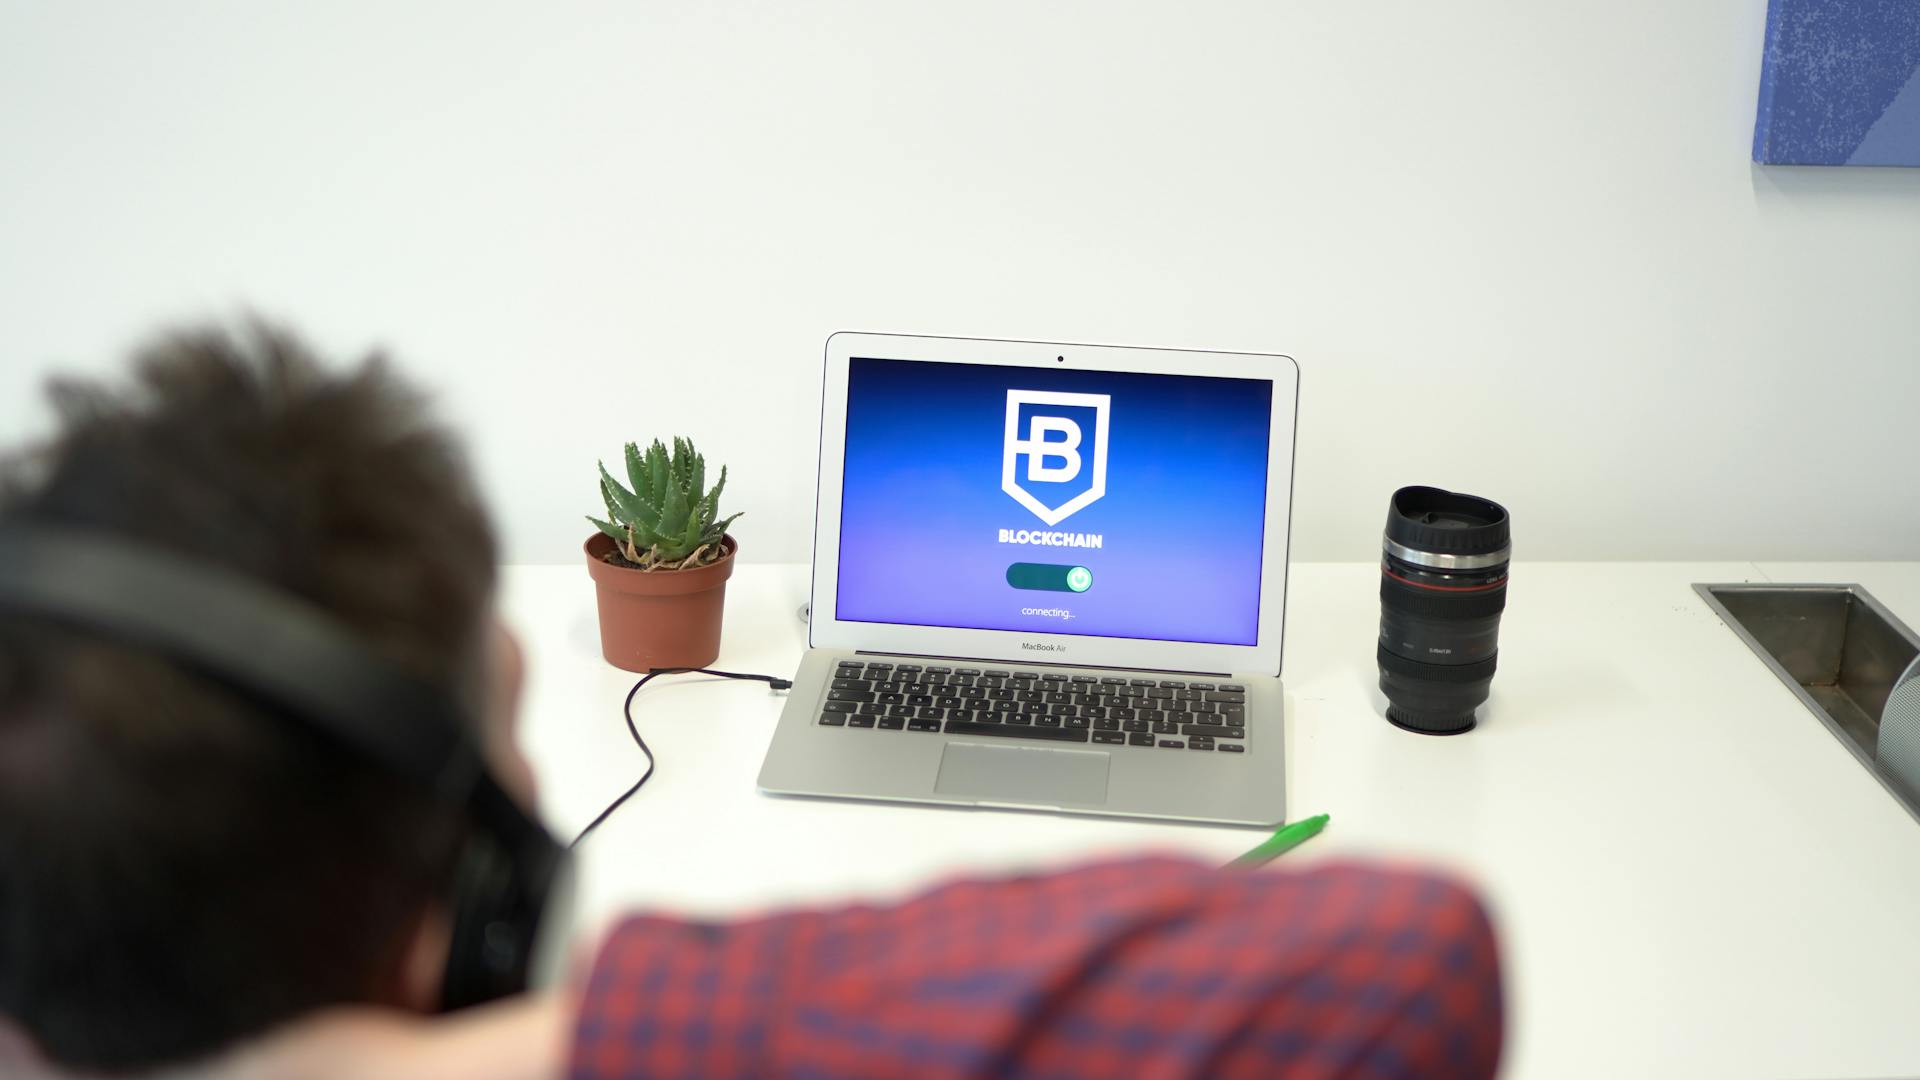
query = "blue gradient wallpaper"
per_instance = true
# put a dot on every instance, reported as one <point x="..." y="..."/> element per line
<point x="1171" y="547"/>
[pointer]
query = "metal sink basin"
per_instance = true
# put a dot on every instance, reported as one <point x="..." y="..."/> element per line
<point x="1835" y="647"/>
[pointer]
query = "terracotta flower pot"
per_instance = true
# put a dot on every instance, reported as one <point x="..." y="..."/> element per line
<point x="659" y="618"/>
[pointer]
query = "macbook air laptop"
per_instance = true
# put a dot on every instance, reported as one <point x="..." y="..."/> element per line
<point x="1047" y="577"/>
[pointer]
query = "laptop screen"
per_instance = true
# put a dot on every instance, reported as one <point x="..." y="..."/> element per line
<point x="1097" y="503"/>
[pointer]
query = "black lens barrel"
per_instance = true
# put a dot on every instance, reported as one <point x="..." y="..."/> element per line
<point x="1443" y="586"/>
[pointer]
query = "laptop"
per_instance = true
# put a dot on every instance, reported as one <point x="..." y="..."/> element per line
<point x="1046" y="577"/>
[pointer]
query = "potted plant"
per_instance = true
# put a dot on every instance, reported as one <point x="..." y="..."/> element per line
<point x="660" y="561"/>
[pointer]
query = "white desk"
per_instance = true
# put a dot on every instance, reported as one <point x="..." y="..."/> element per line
<point x="1690" y="876"/>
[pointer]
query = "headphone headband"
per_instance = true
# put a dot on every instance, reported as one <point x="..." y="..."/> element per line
<point x="253" y="637"/>
<point x="287" y="652"/>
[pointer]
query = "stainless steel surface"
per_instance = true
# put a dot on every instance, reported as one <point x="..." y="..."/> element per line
<point x="1445" y="562"/>
<point x="1839" y="650"/>
<point x="1899" y="748"/>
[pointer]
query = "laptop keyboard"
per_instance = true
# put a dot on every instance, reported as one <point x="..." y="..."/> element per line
<point x="1009" y="703"/>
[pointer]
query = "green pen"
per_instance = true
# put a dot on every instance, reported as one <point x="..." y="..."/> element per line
<point x="1284" y="839"/>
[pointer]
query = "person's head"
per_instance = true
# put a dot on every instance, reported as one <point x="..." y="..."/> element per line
<point x="180" y="867"/>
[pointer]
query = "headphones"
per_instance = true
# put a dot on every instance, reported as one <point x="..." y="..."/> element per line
<point x="288" y="654"/>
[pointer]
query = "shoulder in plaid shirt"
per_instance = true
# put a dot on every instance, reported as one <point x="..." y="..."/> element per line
<point x="1150" y="967"/>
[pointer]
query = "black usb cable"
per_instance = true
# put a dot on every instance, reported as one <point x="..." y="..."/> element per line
<point x="773" y="682"/>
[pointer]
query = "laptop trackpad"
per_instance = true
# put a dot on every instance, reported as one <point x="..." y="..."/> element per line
<point x="1028" y="774"/>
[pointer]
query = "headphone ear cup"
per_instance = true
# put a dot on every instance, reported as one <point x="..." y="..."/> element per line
<point x="492" y="935"/>
<point x="506" y="869"/>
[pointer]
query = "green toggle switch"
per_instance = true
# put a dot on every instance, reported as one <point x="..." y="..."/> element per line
<point x="1049" y="577"/>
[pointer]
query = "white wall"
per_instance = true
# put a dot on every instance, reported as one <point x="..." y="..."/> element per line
<point x="1517" y="248"/>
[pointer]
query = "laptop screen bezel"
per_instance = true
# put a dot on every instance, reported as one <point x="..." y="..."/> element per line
<point x="826" y="630"/>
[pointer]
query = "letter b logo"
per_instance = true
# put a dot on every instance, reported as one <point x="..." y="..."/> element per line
<point x="1039" y="448"/>
<point x="1052" y="443"/>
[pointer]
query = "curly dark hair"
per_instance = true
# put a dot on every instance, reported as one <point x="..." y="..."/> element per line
<point x="178" y="866"/>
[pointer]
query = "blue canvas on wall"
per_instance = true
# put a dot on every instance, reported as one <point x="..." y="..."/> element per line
<point x="1840" y="84"/>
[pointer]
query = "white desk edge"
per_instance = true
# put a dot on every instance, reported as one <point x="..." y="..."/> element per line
<point x="1690" y="875"/>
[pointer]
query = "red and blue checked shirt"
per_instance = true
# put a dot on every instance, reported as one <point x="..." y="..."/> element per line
<point x="1145" y="968"/>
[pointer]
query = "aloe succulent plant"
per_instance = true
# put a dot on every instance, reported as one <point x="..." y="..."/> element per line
<point x="666" y="521"/>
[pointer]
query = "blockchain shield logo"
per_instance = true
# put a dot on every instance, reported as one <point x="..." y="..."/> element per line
<point x="1048" y="429"/>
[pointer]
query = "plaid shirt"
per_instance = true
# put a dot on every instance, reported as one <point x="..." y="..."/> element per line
<point x="1151" y="967"/>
